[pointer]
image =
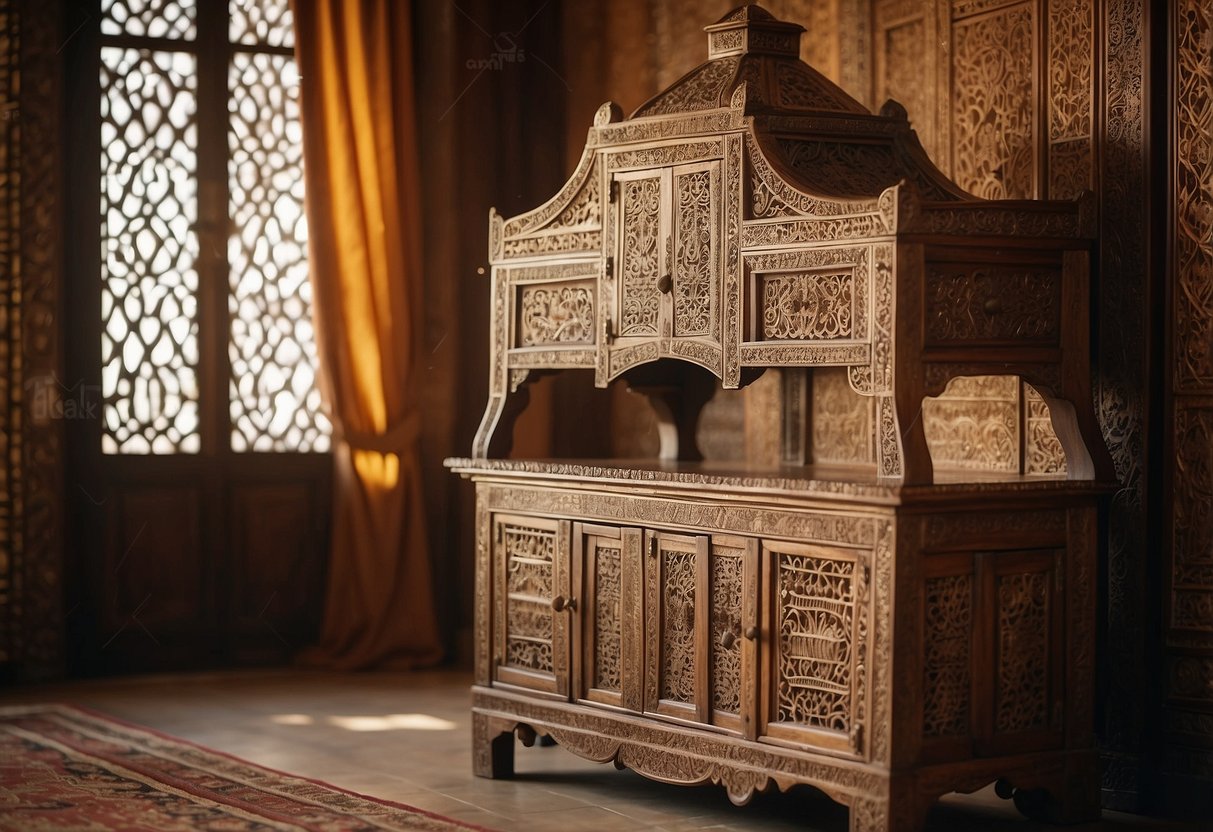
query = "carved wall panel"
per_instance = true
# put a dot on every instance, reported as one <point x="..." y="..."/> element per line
<point x="841" y="421"/>
<point x="975" y="424"/>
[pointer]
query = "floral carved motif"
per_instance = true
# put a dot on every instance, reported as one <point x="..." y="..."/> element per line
<point x="992" y="101"/>
<point x="700" y="91"/>
<point x="946" y="638"/>
<point x="842" y="419"/>
<point x="990" y="303"/>
<point x="677" y="626"/>
<point x="807" y="306"/>
<point x="561" y="314"/>
<point x="1023" y="652"/>
<point x="608" y="618"/>
<point x="1043" y="453"/>
<point x="727" y="567"/>
<point x="641" y="211"/>
<point x="694" y="266"/>
<point x="816" y="617"/>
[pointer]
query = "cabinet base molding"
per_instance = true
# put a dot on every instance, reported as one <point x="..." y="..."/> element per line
<point x="1059" y="784"/>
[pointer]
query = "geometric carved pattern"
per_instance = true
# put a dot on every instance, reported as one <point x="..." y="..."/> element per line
<point x="946" y="633"/>
<point x="556" y="314"/>
<point x="529" y="561"/>
<point x="149" y="281"/>
<point x="267" y="22"/>
<point x="992" y="102"/>
<point x="1023" y="652"/>
<point x="807" y="306"/>
<point x="678" y="626"/>
<point x="727" y="569"/>
<point x="693" y="265"/>
<point x="273" y="399"/>
<point x="150" y="18"/>
<point x="641" y="205"/>
<point x="608" y="617"/>
<point x="816" y="614"/>
<point x="990" y="303"/>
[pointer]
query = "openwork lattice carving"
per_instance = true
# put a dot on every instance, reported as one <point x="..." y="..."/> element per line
<point x="678" y="626"/>
<point x="559" y="314"/>
<point x="529" y="559"/>
<point x="727" y="571"/>
<point x="694" y="264"/>
<point x="149" y="18"/>
<point x="149" y="345"/>
<point x="608" y="618"/>
<point x="807" y="306"/>
<point x="641" y="208"/>
<point x="816" y="615"/>
<point x="268" y="22"/>
<point x="274" y="402"/>
<point x="992" y="104"/>
<point x="947" y="631"/>
<point x="1023" y="651"/>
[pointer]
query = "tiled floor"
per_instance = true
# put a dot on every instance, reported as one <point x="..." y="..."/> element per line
<point x="406" y="738"/>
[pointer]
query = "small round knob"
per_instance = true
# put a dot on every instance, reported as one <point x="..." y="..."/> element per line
<point x="560" y="603"/>
<point x="993" y="306"/>
<point x="727" y="639"/>
<point x="751" y="633"/>
<point x="665" y="283"/>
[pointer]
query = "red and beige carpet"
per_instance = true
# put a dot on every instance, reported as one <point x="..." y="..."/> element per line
<point x="65" y="768"/>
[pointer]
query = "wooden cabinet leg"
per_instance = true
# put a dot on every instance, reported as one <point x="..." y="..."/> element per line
<point x="492" y="747"/>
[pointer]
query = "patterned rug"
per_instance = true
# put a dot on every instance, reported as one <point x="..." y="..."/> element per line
<point x="65" y="768"/>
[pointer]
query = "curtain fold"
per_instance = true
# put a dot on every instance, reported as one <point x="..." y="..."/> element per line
<point x="364" y="221"/>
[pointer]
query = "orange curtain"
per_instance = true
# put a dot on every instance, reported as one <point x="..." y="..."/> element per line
<point x="364" y="221"/>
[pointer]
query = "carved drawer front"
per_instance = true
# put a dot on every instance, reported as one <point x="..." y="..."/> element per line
<point x="992" y="658"/>
<point x="609" y="635"/>
<point x="733" y="637"/>
<point x="667" y="252"/>
<point x="817" y="649"/>
<point x="676" y="625"/>
<point x="992" y="304"/>
<point x="531" y="581"/>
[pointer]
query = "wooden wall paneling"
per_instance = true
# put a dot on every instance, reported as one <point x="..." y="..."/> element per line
<point x="1187" y="718"/>
<point x="276" y="567"/>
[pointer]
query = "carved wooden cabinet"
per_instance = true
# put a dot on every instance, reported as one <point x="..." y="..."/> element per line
<point x="892" y="612"/>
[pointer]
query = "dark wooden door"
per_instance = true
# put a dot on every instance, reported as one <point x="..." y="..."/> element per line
<point x="198" y="464"/>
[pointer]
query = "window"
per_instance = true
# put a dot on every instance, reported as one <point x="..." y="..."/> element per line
<point x="205" y="296"/>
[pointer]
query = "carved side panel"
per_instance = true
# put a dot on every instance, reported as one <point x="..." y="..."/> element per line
<point x="807" y="306"/>
<point x="640" y="253"/>
<point x="1023" y="645"/>
<point x="947" y="653"/>
<point x="556" y="314"/>
<point x="993" y="103"/>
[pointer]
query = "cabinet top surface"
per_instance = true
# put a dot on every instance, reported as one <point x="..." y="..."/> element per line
<point x="843" y="484"/>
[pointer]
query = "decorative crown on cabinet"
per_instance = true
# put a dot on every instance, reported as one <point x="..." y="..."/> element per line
<point x="754" y="215"/>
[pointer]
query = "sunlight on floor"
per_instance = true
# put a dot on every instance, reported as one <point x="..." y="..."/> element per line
<point x="387" y="722"/>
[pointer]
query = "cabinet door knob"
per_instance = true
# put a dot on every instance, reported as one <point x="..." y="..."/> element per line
<point x="751" y="633"/>
<point x="992" y="306"/>
<point x="727" y="639"/>
<point x="560" y="603"/>
<point x="665" y="283"/>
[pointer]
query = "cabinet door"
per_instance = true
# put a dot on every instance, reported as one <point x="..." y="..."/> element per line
<point x="643" y="230"/>
<point x="733" y="635"/>
<point x="818" y="611"/>
<point x="609" y="635"/>
<point x="695" y="198"/>
<point x="676" y="625"/>
<point x="531" y="631"/>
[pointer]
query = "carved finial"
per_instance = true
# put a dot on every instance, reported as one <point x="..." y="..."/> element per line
<point x="608" y="113"/>
<point x="752" y="29"/>
<point x="893" y="109"/>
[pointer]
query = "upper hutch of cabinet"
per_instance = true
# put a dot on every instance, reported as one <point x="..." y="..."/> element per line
<point x="753" y="215"/>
